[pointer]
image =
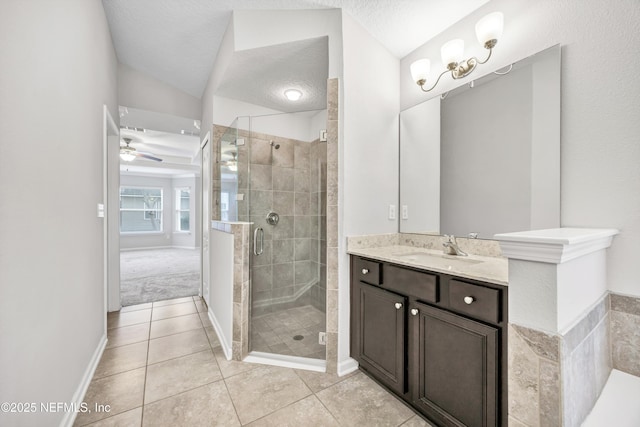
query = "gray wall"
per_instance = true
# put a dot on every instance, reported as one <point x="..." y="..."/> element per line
<point x="58" y="69"/>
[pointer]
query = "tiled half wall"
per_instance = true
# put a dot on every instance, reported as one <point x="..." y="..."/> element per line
<point x="555" y="380"/>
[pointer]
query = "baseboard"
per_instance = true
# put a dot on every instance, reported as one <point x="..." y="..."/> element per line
<point x="195" y="248"/>
<point x="78" y="396"/>
<point x="347" y="366"/>
<point x="226" y="346"/>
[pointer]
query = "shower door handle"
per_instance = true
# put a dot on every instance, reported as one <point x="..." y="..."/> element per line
<point x="258" y="231"/>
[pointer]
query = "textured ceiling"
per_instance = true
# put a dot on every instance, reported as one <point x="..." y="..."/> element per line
<point x="177" y="41"/>
<point x="301" y="65"/>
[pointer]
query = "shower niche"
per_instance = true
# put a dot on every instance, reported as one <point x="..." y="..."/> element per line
<point x="272" y="173"/>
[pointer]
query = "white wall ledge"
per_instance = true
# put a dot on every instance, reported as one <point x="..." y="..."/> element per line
<point x="556" y="245"/>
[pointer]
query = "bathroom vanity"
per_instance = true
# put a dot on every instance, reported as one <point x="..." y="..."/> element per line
<point x="424" y="326"/>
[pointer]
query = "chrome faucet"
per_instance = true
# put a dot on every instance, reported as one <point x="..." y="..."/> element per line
<point x="451" y="246"/>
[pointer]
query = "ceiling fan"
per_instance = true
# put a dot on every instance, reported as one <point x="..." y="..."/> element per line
<point x="128" y="153"/>
<point x="232" y="164"/>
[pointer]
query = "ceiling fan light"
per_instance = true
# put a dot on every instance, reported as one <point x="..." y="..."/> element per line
<point x="127" y="155"/>
<point x="293" y="94"/>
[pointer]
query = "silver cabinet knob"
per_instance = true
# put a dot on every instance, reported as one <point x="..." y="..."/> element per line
<point x="414" y="311"/>
<point x="365" y="271"/>
<point x="398" y="305"/>
<point x="468" y="300"/>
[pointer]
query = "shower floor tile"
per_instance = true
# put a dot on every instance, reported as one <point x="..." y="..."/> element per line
<point x="275" y="332"/>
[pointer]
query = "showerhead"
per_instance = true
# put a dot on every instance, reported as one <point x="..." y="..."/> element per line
<point x="274" y="145"/>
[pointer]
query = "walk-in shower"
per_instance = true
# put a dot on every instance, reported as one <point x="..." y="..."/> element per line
<point x="273" y="174"/>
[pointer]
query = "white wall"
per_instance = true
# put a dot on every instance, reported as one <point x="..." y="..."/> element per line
<point x="600" y="145"/>
<point x="368" y="168"/>
<point x="58" y="69"/>
<point x="221" y="287"/>
<point x="139" y="90"/>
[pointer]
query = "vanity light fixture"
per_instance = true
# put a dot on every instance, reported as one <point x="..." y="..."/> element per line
<point x="488" y="31"/>
<point x="293" y="94"/>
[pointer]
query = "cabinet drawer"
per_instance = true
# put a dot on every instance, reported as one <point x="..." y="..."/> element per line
<point x="368" y="271"/>
<point x="423" y="286"/>
<point x="474" y="300"/>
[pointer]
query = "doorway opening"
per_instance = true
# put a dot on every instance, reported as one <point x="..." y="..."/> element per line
<point x="158" y="197"/>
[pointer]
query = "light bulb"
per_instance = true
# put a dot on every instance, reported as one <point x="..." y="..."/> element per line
<point x="292" y="94"/>
<point x="127" y="156"/>
<point x="490" y="28"/>
<point x="420" y="70"/>
<point x="452" y="51"/>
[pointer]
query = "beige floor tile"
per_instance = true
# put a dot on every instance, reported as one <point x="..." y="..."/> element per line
<point x="317" y="381"/>
<point x="178" y="375"/>
<point x="205" y="320"/>
<point x="172" y="301"/>
<point x="136" y="307"/>
<point x="127" y="335"/>
<point x="358" y="400"/>
<point x="174" y="325"/>
<point x="264" y="390"/>
<point x="201" y="306"/>
<point x="208" y="405"/>
<point x="132" y="418"/>
<point x="306" y="412"/>
<point x="121" y="392"/>
<point x="416" y="421"/>
<point x="167" y="311"/>
<point x="172" y="346"/>
<point x="118" y="320"/>
<point x="230" y="368"/>
<point x="213" y="337"/>
<point x="120" y="359"/>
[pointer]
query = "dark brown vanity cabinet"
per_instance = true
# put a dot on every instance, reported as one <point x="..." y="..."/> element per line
<point x="437" y="341"/>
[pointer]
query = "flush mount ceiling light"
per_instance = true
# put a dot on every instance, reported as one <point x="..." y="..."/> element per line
<point x="488" y="31"/>
<point x="293" y="94"/>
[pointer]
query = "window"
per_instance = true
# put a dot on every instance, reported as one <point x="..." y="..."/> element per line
<point x="224" y="206"/>
<point x="183" y="213"/>
<point x="140" y="210"/>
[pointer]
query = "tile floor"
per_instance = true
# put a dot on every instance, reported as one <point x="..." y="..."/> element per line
<point x="163" y="366"/>
<point x="274" y="332"/>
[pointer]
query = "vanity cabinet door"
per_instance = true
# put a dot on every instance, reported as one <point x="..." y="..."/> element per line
<point x="454" y="368"/>
<point x="380" y="347"/>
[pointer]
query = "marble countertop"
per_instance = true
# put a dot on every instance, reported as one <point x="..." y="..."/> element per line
<point x="483" y="268"/>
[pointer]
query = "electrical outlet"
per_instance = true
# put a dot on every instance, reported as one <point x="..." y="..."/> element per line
<point x="405" y="212"/>
<point x="322" y="338"/>
<point x="100" y="210"/>
<point x="392" y="211"/>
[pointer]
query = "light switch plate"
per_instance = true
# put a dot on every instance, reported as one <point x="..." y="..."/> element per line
<point x="100" y="210"/>
<point x="405" y="212"/>
<point x="392" y="211"/>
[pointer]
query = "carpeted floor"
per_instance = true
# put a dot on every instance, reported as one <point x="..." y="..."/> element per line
<point x="158" y="274"/>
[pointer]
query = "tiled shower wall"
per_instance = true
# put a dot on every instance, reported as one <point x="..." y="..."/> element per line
<point x="286" y="181"/>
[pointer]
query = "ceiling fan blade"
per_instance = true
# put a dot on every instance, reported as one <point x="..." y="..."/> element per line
<point x="148" y="156"/>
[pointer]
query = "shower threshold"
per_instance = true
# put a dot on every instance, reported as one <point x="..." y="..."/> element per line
<point x="285" y="361"/>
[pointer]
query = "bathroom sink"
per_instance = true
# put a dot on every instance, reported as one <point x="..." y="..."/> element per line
<point x="445" y="261"/>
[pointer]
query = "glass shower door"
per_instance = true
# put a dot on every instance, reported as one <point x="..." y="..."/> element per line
<point x="285" y="205"/>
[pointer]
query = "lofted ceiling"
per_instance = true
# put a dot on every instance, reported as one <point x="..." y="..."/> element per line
<point x="177" y="41"/>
